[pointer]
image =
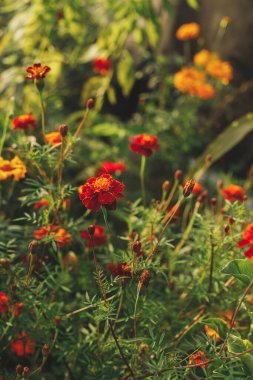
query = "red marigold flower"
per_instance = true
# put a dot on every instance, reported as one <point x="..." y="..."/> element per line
<point x="121" y="270"/>
<point x="53" y="138"/>
<point x="233" y="193"/>
<point x="23" y="122"/>
<point x="198" y="358"/>
<point x="60" y="234"/>
<point x="4" y="302"/>
<point x="144" y="144"/>
<point x="101" y="191"/>
<point x="111" y="167"/>
<point x="23" y="346"/>
<point x="17" y="308"/>
<point x="42" y="203"/>
<point x="37" y="71"/>
<point x="102" y="65"/>
<point x="99" y="237"/>
<point x="247" y="240"/>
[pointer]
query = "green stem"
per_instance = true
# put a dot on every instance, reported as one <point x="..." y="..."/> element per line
<point x="105" y="218"/>
<point x="135" y="308"/>
<point x="6" y="122"/>
<point x="142" y="171"/>
<point x="42" y="109"/>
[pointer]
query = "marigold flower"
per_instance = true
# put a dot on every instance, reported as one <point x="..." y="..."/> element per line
<point x="14" y="167"/>
<point x="60" y="235"/>
<point x="233" y="193"/>
<point x="111" y="167"/>
<point x="53" y="138"/>
<point x="17" y="308"/>
<point x="221" y="70"/>
<point x="198" y="358"/>
<point x="121" y="270"/>
<point x="212" y="333"/>
<point x="188" y="31"/>
<point x="101" y="191"/>
<point x="4" y="302"/>
<point x="102" y="65"/>
<point x="203" y="57"/>
<point x="37" y="71"/>
<point x="204" y="90"/>
<point x="23" y="122"/>
<point x="99" y="237"/>
<point x="187" y="79"/>
<point x="144" y="144"/>
<point x="42" y="203"/>
<point x="247" y="240"/>
<point x="197" y="188"/>
<point x="23" y="346"/>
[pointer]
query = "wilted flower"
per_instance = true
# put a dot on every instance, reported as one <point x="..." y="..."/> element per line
<point x="23" y="346"/>
<point x="53" y="138"/>
<point x="144" y="144"/>
<point x="99" y="237"/>
<point x="101" y="191"/>
<point x="198" y="358"/>
<point x="233" y="193"/>
<point x="188" y="31"/>
<point x="23" y="122"/>
<point x="60" y="235"/>
<point x="14" y="167"/>
<point x="111" y="167"/>
<point x="102" y="65"/>
<point x="247" y="241"/>
<point x="37" y="71"/>
<point x="221" y="70"/>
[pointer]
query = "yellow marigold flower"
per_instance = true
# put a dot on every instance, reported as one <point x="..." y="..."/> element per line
<point x="14" y="167"/>
<point x="221" y="70"/>
<point x="188" y="31"/>
<point x="212" y="333"/>
<point x="203" y="57"/>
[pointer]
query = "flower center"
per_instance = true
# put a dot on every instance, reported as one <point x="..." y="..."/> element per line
<point x="101" y="184"/>
<point x="6" y="168"/>
<point x="147" y="138"/>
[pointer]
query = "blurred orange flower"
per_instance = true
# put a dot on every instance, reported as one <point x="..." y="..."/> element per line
<point x="188" y="31"/>
<point x="233" y="193"/>
<point x="42" y="203"/>
<point x="37" y="71"/>
<point x="221" y="70"/>
<point x="202" y="58"/>
<point x="192" y="81"/>
<point x="23" y="122"/>
<point x="247" y="240"/>
<point x="60" y="234"/>
<point x="53" y="138"/>
<point x="14" y="167"/>
<point x="212" y="333"/>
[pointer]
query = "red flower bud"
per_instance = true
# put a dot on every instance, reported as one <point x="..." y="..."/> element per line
<point x="45" y="350"/>
<point x="91" y="230"/>
<point x="209" y="158"/>
<point x="26" y="371"/>
<point x="19" y="369"/>
<point x="90" y="103"/>
<point x="178" y="174"/>
<point x="33" y="246"/>
<point x="144" y="278"/>
<point x="213" y="201"/>
<point x="136" y="246"/>
<point x="57" y="320"/>
<point x="230" y="220"/>
<point x="63" y="129"/>
<point x="166" y="185"/>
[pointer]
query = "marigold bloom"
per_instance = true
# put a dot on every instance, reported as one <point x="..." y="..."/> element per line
<point x="14" y="167"/>
<point x="23" y="122"/>
<point x="42" y="203"/>
<point x="197" y="188"/>
<point x="111" y="167"/>
<point x="188" y="79"/>
<point x="198" y="358"/>
<point x="60" y="235"/>
<point x="4" y="302"/>
<point x="233" y="193"/>
<point x="53" y="138"/>
<point x="221" y="70"/>
<point x="17" y="308"/>
<point x="23" y="346"/>
<point x="101" y="191"/>
<point x="102" y="65"/>
<point x="144" y="144"/>
<point x="37" y="71"/>
<point x="247" y="240"/>
<point x="121" y="270"/>
<point x="203" y="57"/>
<point x="99" y="237"/>
<point x="204" y="90"/>
<point x="212" y="333"/>
<point x="188" y="31"/>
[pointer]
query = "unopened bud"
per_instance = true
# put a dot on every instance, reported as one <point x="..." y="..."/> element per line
<point x="63" y="129"/>
<point x="200" y="199"/>
<point x="57" y="320"/>
<point x="33" y="246"/>
<point x="26" y="371"/>
<point x="91" y="230"/>
<point x="213" y="201"/>
<point x="19" y="369"/>
<point x="209" y="158"/>
<point x="178" y="174"/>
<point x="90" y="103"/>
<point x="220" y="184"/>
<point x="204" y="194"/>
<point x="226" y="228"/>
<point x="5" y="263"/>
<point x="45" y="350"/>
<point x="136" y="246"/>
<point x="230" y="220"/>
<point x="166" y="185"/>
<point x="188" y="187"/>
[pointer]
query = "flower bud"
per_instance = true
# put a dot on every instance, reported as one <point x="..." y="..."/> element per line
<point x="188" y="187"/>
<point x="213" y="201"/>
<point x="226" y="228"/>
<point x="19" y="369"/>
<point x="5" y="263"/>
<point x="26" y="372"/>
<point x="230" y="220"/>
<point x="33" y="246"/>
<point x="209" y="158"/>
<point x="45" y="350"/>
<point x="144" y="278"/>
<point x="63" y="129"/>
<point x="136" y="246"/>
<point x="90" y="103"/>
<point x="178" y="174"/>
<point x="166" y="185"/>
<point x="57" y="320"/>
<point x="91" y="230"/>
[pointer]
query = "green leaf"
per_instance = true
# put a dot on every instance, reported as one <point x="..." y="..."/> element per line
<point x="193" y="4"/>
<point x="241" y="269"/>
<point x="229" y="138"/>
<point x="237" y="345"/>
<point x="125" y="73"/>
<point x="152" y="33"/>
<point x="217" y="324"/>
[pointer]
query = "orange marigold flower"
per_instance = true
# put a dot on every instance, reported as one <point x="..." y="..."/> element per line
<point x="53" y="138"/>
<point x="186" y="79"/>
<point x="233" y="193"/>
<point x="37" y="71"/>
<point x="23" y="346"/>
<point x="221" y="70"/>
<point x="99" y="237"/>
<point x="203" y="57"/>
<point x="60" y="235"/>
<point x="198" y="358"/>
<point x="101" y="191"/>
<point x="42" y="203"/>
<point x="4" y="302"/>
<point x="197" y="188"/>
<point x="247" y="240"/>
<point x="188" y="31"/>
<point x="102" y="65"/>
<point x="204" y="90"/>
<point x="212" y="333"/>
<point x="144" y="144"/>
<point x="12" y="168"/>
<point x="23" y="122"/>
<point x="111" y="167"/>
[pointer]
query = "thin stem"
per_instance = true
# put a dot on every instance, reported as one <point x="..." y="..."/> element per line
<point x="210" y="286"/>
<point x="142" y="177"/>
<point x="135" y="308"/>
<point x="169" y="199"/>
<point x="6" y="121"/>
<point x="61" y="164"/>
<point x="42" y="109"/>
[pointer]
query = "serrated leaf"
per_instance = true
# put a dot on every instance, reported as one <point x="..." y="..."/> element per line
<point x="241" y="269"/>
